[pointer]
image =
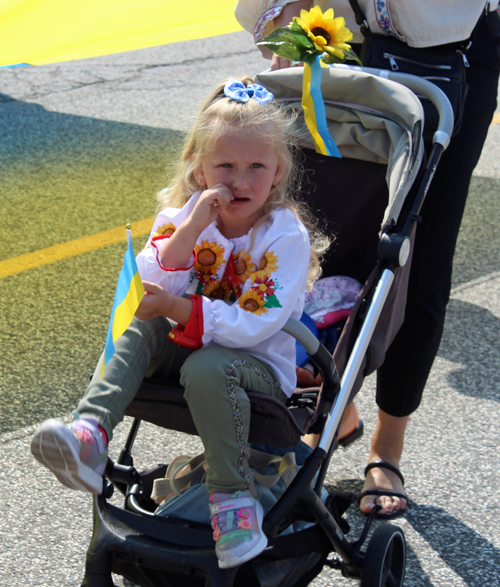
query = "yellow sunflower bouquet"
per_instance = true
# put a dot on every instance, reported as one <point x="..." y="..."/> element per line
<point x="314" y="34"/>
<point x="317" y="40"/>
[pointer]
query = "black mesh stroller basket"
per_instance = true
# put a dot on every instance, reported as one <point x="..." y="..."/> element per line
<point x="370" y="199"/>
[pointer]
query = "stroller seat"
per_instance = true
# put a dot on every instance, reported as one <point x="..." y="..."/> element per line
<point x="273" y="423"/>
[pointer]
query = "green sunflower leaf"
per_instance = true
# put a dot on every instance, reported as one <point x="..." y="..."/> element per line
<point x="301" y="35"/>
<point x="283" y="49"/>
<point x="348" y="56"/>
<point x="351" y="56"/>
<point x="292" y="44"/>
<point x="330" y="58"/>
<point x="292" y="35"/>
<point x="272" y="302"/>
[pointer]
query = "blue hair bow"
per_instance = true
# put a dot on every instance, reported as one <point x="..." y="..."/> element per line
<point x="238" y="91"/>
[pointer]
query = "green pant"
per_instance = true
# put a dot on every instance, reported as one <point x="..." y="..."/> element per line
<point x="214" y="379"/>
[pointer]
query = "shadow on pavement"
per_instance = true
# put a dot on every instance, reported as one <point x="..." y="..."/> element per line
<point x="478" y="246"/>
<point x="64" y="176"/>
<point x="472" y="339"/>
<point x="466" y="552"/>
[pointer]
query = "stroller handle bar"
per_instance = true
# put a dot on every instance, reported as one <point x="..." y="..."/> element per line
<point x="427" y="89"/>
<point x="301" y="333"/>
<point x="421" y="87"/>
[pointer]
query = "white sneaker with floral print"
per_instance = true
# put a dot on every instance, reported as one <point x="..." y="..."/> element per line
<point x="237" y="525"/>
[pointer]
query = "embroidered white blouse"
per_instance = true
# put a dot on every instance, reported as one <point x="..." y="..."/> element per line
<point x="248" y="295"/>
<point x="421" y="23"/>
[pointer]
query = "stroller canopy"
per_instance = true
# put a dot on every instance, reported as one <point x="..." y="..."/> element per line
<point x="370" y="118"/>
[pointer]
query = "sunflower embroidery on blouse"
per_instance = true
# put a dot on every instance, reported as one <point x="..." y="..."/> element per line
<point x="238" y="270"/>
<point x="267" y="266"/>
<point x="206" y="282"/>
<point x="262" y="294"/>
<point x="210" y="256"/>
<point x="217" y="290"/>
<point x="232" y="289"/>
<point x="243" y="266"/>
<point x="167" y="229"/>
<point x="253" y="301"/>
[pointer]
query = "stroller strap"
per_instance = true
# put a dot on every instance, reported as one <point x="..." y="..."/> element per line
<point x="184" y="471"/>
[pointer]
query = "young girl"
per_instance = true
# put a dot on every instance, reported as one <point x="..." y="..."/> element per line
<point x="233" y="238"/>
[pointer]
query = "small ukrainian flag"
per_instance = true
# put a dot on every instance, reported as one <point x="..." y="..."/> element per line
<point x="128" y="296"/>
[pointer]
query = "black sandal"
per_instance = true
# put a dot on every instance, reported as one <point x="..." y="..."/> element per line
<point x="388" y="492"/>
<point x="350" y="438"/>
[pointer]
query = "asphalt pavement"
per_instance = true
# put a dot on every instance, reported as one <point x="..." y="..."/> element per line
<point x="84" y="146"/>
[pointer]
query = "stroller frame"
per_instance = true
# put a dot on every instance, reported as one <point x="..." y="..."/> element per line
<point x="169" y="552"/>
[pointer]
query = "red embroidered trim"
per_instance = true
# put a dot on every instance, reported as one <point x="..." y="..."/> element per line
<point x="161" y="237"/>
<point x="190" y="335"/>
<point x="231" y="277"/>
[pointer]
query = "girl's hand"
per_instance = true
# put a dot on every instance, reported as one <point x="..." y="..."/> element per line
<point x="209" y="205"/>
<point x="156" y="302"/>
<point x="159" y="302"/>
<point x="177" y="250"/>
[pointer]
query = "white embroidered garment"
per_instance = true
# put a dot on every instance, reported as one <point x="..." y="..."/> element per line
<point x="425" y="23"/>
<point x="264" y="287"/>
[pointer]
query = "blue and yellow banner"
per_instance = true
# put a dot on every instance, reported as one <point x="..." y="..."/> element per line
<point x="35" y="32"/>
<point x="314" y="110"/>
<point x="128" y="296"/>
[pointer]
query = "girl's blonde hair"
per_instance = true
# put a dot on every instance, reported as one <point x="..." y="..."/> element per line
<point x="219" y="116"/>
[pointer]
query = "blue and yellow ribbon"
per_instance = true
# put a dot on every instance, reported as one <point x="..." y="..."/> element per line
<point x="314" y="110"/>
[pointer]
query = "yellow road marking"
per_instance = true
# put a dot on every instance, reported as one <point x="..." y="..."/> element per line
<point x="72" y="248"/>
<point x="496" y="118"/>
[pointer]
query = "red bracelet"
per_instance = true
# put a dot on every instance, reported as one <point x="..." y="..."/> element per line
<point x="189" y="336"/>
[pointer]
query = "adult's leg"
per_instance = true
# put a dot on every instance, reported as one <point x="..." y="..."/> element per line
<point x="215" y="380"/>
<point x="402" y="378"/>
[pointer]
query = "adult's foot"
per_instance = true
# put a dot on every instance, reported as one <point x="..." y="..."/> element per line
<point x="385" y="484"/>
<point x="387" y="446"/>
<point x="348" y="425"/>
<point x="349" y="421"/>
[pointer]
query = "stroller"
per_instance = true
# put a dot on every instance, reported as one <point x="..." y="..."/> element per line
<point x="376" y="120"/>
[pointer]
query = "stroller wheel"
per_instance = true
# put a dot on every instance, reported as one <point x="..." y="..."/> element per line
<point x="385" y="558"/>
